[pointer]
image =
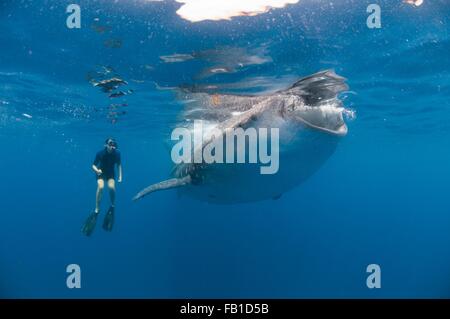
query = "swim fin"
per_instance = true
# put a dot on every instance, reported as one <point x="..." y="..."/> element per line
<point x="89" y="225"/>
<point x="108" y="222"/>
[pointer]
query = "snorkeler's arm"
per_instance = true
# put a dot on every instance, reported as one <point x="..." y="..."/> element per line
<point x="94" y="165"/>
<point x="96" y="170"/>
<point x="119" y="168"/>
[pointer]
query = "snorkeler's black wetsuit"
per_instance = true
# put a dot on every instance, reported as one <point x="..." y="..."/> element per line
<point x="106" y="161"/>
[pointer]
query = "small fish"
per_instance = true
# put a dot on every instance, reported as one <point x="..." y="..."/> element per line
<point x="120" y="93"/>
<point x="113" y="43"/>
<point x="115" y="114"/>
<point x="109" y="84"/>
<point x="28" y="116"/>
<point x="115" y="106"/>
<point x="100" y="29"/>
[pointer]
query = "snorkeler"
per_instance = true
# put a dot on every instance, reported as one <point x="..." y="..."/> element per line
<point x="103" y="166"/>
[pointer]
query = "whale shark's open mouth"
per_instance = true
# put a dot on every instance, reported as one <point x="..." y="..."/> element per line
<point x="327" y="117"/>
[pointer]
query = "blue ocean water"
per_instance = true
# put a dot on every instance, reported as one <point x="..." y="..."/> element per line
<point x="382" y="198"/>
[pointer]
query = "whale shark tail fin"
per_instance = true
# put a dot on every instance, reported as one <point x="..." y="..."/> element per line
<point x="319" y="87"/>
<point x="167" y="184"/>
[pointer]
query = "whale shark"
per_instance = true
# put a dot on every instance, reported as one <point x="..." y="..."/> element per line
<point x="309" y="116"/>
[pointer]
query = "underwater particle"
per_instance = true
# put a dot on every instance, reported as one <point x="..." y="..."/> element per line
<point x="113" y="43"/>
<point x="414" y="2"/>
<point x="28" y="116"/>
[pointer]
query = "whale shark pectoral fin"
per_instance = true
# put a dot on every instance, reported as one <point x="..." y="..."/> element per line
<point x="167" y="184"/>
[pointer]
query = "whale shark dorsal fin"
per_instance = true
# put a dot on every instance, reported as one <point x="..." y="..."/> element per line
<point x="167" y="184"/>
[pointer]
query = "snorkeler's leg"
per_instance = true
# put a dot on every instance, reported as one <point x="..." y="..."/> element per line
<point x="108" y="222"/>
<point x="112" y="190"/>
<point x="91" y="221"/>
<point x="98" y="195"/>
